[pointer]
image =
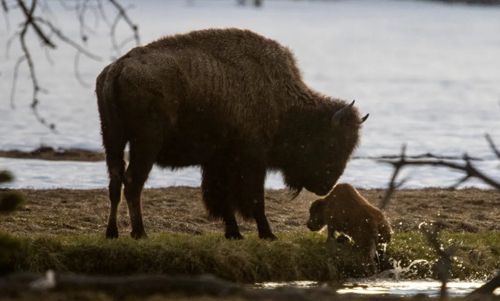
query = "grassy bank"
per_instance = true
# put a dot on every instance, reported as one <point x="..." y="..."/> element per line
<point x="295" y="256"/>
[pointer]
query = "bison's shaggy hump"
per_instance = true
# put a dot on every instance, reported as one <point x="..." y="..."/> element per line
<point x="248" y="79"/>
<point x="230" y="101"/>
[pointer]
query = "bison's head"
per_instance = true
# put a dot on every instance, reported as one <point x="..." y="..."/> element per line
<point x="317" y="144"/>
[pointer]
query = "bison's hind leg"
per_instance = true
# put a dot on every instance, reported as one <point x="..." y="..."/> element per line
<point x="143" y="154"/>
<point x="114" y="145"/>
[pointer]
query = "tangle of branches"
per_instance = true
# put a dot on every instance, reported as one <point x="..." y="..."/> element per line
<point x="445" y="255"/>
<point x="466" y="167"/>
<point x="36" y="18"/>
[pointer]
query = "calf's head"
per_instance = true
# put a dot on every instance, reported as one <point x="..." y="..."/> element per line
<point x="317" y="218"/>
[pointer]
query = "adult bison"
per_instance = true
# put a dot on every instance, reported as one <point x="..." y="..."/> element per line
<point x="230" y="101"/>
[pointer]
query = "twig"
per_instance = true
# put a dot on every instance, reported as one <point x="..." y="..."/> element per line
<point x="67" y="40"/>
<point x="122" y="14"/>
<point x="398" y="165"/>
<point x="493" y="147"/>
<point x="76" y="64"/>
<point x="48" y="33"/>
<point x="470" y="170"/>
<point x="5" y="12"/>
<point x="5" y="8"/>
<point x="443" y="265"/>
<point x="419" y="156"/>
<point x="29" y="59"/>
<point x="14" y="80"/>
<point x="28" y="14"/>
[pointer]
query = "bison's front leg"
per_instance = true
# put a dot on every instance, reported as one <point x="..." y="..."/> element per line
<point x="214" y="186"/>
<point x="248" y="184"/>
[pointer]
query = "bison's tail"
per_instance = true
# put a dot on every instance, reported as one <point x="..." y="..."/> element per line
<point x="113" y="132"/>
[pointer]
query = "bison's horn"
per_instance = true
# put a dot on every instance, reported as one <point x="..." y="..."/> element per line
<point x="340" y="113"/>
<point x="364" y="118"/>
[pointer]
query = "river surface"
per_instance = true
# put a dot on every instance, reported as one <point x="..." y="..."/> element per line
<point x="428" y="74"/>
<point x="402" y="288"/>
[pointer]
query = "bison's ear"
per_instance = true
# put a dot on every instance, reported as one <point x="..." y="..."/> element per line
<point x="337" y="117"/>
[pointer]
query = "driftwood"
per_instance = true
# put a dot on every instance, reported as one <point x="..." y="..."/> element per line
<point x="191" y="286"/>
<point x="146" y="285"/>
<point x="488" y="287"/>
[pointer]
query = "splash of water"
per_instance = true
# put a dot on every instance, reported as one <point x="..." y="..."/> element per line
<point x="397" y="272"/>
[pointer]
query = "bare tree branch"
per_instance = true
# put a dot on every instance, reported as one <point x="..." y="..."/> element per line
<point x="68" y="41"/>
<point x="4" y="6"/>
<point x="44" y="29"/>
<point x="470" y="170"/>
<point x="493" y="146"/>
<point x="122" y="15"/>
<point x="419" y="156"/>
<point x="398" y="165"/>
<point x="14" y="80"/>
<point x="443" y="265"/>
<point x="28" y="13"/>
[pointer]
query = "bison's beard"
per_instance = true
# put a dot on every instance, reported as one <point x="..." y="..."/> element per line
<point x="295" y="192"/>
<point x="294" y="184"/>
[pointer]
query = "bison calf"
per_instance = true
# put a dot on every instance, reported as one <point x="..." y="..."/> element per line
<point x="230" y="101"/>
<point x="346" y="210"/>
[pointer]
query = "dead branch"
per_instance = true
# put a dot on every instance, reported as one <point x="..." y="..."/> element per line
<point x="146" y="285"/>
<point x="4" y="6"/>
<point x="488" y="287"/>
<point x="443" y="265"/>
<point x="29" y="22"/>
<point x="493" y="147"/>
<point x="419" y="156"/>
<point x="49" y="33"/>
<point x="122" y="15"/>
<point x="398" y="165"/>
<point x="470" y="170"/>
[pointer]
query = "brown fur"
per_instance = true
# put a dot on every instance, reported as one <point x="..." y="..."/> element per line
<point x="346" y="210"/>
<point x="230" y="101"/>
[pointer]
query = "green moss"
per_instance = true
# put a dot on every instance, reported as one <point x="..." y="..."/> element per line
<point x="295" y="256"/>
<point x="477" y="254"/>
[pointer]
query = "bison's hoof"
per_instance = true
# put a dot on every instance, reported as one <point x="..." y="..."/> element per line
<point x="138" y="235"/>
<point x="268" y="236"/>
<point x="235" y="236"/>
<point x="111" y="233"/>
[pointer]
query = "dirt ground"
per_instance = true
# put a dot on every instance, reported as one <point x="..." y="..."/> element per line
<point x="180" y="209"/>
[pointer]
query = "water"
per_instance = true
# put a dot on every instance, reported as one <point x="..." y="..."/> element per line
<point x="402" y="288"/>
<point x="427" y="73"/>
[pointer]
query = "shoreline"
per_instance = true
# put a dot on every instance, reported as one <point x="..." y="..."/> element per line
<point x="181" y="209"/>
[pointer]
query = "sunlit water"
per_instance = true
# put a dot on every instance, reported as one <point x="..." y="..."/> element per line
<point x="389" y="287"/>
<point x="428" y="73"/>
<point x="398" y="281"/>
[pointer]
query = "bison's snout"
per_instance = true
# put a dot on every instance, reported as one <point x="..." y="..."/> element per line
<point x="320" y="189"/>
<point x="313" y="226"/>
